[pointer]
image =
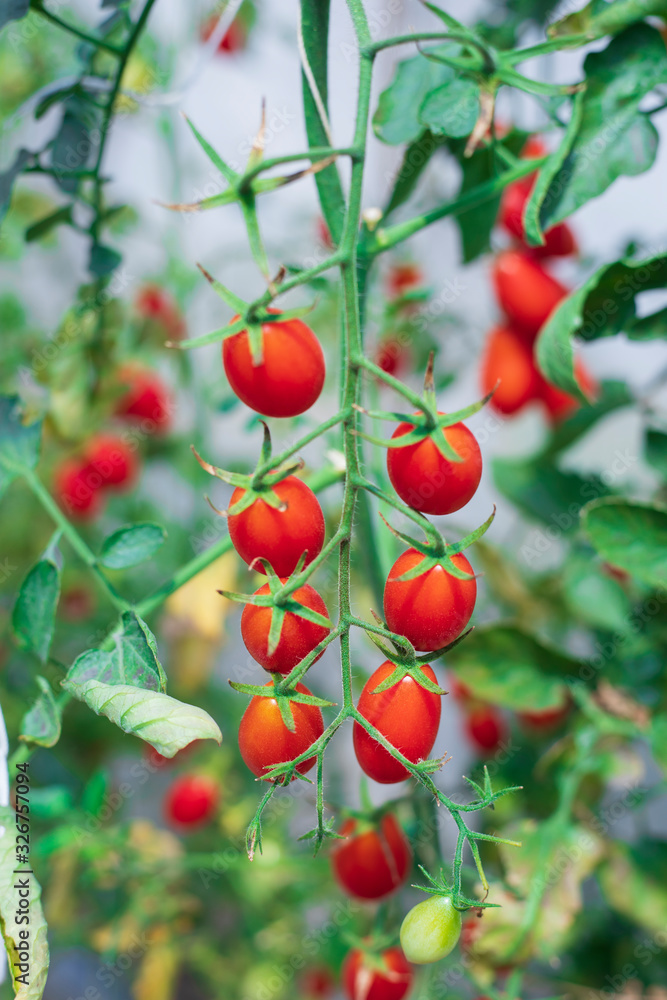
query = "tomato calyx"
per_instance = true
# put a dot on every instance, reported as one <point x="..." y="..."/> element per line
<point x="426" y="422"/>
<point x="438" y="552"/>
<point x="283" y="695"/>
<point x="281" y="602"/>
<point x="438" y="885"/>
<point x="256" y="486"/>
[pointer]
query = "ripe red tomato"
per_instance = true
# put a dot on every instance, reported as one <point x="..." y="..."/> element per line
<point x="291" y="375"/>
<point x="459" y="691"/>
<point x="508" y="360"/>
<point x="432" y="609"/>
<point x="111" y="461"/>
<point x="191" y="800"/>
<point x="374" y="862"/>
<point x="486" y="729"/>
<point x="560" y="241"/>
<point x="430" y="483"/>
<point x="265" y="740"/>
<point x="526" y="292"/>
<point x="392" y="356"/>
<point x="403" y="277"/>
<point x="234" y="39"/>
<point x="154" y="303"/>
<point x="297" y="638"/>
<point x="317" y="983"/>
<point x="362" y="981"/>
<point x="560" y="404"/>
<point x="281" y="536"/>
<point x="146" y="401"/>
<point x="75" y="491"/>
<point x="406" y="714"/>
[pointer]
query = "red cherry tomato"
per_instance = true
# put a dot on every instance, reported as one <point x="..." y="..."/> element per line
<point x="191" y="800"/>
<point x="281" y="536"/>
<point x="111" y="461"/>
<point x="406" y="714"/>
<point x="459" y="691"/>
<point x="362" y="981"/>
<point x="265" y="740"/>
<point x="560" y="241"/>
<point x="297" y="638"/>
<point x="317" y="983"/>
<point x="76" y="604"/>
<point x="392" y="356"/>
<point x="430" y="483"/>
<point x="373" y="862"/>
<point x="289" y="378"/>
<point x="403" y="277"/>
<point x="485" y="728"/>
<point x="560" y="404"/>
<point x="154" y="303"/>
<point x="234" y="39"/>
<point x="432" y="609"/>
<point x="508" y="365"/>
<point x="526" y="292"/>
<point x="75" y="491"/>
<point x="146" y="402"/>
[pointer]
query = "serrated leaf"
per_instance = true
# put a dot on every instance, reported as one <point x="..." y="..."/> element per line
<point x="133" y="659"/>
<point x="451" y="109"/>
<point x="34" y="613"/>
<point x="131" y="545"/>
<point x="632" y="536"/>
<point x="37" y="965"/>
<point x="396" y="119"/>
<point x="19" y="442"/>
<point x="604" y="305"/>
<point x="166" y="724"/>
<point x="506" y="666"/>
<point x="42" y="723"/>
<point x="608" y="137"/>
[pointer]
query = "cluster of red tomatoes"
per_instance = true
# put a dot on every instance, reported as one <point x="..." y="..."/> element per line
<point x="234" y="39"/>
<point x="109" y="460"/>
<point x="527" y="294"/>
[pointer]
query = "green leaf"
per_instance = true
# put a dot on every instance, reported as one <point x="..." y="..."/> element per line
<point x="611" y="396"/>
<point x="167" y="724"/>
<point x="594" y="598"/>
<point x="655" y="447"/>
<point x="608" y="136"/>
<point x="72" y="148"/>
<point x="651" y="327"/>
<point x="61" y="216"/>
<point x="13" y="10"/>
<point x="34" y="614"/>
<point x="8" y="177"/>
<point x="396" y="119"/>
<point x="415" y="160"/>
<point x="633" y="884"/>
<point x="600" y="18"/>
<point x="19" y="442"/>
<point x="451" y="109"/>
<point x="215" y="158"/>
<point x="41" y="724"/>
<point x="658" y="739"/>
<point x="103" y="260"/>
<point x="602" y="306"/>
<point x="545" y="492"/>
<point x="131" y="545"/>
<point x="505" y="666"/>
<point x="133" y="659"/>
<point x="38" y="947"/>
<point x="632" y="536"/>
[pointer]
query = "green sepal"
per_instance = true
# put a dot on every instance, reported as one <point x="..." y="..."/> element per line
<point x="227" y="296"/>
<point x="474" y="536"/>
<point x="437" y="653"/>
<point x="275" y="629"/>
<point x="327" y="832"/>
<point x="230" y="175"/>
<point x="426" y="548"/>
<point x="417" y="674"/>
<point x="215" y="337"/>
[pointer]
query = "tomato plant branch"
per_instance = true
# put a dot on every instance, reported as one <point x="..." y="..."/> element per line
<point x="99" y="43"/>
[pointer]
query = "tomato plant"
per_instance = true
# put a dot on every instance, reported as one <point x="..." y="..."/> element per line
<point x="387" y="976"/>
<point x="407" y="715"/>
<point x="340" y="268"/>
<point x="372" y="862"/>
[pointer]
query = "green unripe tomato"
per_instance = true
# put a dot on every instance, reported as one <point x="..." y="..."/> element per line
<point x="430" y="930"/>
